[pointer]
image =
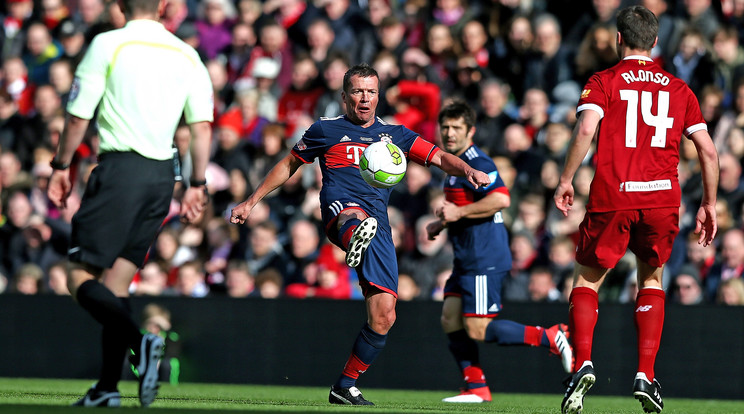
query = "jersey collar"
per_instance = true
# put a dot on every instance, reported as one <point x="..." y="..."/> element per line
<point x="638" y="57"/>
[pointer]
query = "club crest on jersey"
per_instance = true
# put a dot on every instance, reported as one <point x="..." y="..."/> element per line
<point x="585" y="93"/>
<point x="385" y="137"/>
<point x="452" y="180"/>
<point x="301" y="145"/>
<point x="641" y="62"/>
<point x="74" y="89"/>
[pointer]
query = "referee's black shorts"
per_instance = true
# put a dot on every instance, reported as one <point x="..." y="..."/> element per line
<point x="125" y="202"/>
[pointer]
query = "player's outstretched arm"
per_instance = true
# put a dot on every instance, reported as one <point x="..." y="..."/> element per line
<point x="583" y="134"/>
<point x="706" y="223"/>
<point x="276" y="177"/>
<point x="453" y="165"/>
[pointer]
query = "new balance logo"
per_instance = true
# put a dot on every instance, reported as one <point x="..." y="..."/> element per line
<point x="644" y="308"/>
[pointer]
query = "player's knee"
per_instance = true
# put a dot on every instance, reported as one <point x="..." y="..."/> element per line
<point x="382" y="322"/>
<point x="476" y="333"/>
<point x="450" y="323"/>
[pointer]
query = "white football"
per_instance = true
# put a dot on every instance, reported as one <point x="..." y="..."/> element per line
<point x="382" y="165"/>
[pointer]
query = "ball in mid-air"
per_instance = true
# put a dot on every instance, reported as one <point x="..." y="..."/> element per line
<point x="382" y="165"/>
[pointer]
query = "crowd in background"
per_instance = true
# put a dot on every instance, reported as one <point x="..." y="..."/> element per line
<point x="277" y="66"/>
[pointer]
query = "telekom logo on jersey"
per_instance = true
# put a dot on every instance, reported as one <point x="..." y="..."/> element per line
<point x="354" y="152"/>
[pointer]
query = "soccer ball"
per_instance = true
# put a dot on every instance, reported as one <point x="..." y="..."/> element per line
<point x="382" y="165"/>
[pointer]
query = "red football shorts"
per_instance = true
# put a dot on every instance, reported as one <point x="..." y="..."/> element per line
<point x="648" y="233"/>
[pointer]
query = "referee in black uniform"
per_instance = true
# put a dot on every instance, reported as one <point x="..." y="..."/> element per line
<point x="143" y="80"/>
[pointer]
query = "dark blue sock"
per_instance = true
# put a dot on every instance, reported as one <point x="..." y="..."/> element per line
<point x="463" y="348"/>
<point x="367" y="346"/>
<point x="505" y="332"/>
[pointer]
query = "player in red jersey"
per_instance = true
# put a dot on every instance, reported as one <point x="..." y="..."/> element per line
<point x="635" y="196"/>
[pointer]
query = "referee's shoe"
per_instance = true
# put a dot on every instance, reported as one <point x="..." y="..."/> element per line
<point x="151" y="351"/>
<point x="98" y="398"/>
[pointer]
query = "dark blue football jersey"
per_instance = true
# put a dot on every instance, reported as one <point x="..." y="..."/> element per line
<point x="479" y="245"/>
<point x="338" y="144"/>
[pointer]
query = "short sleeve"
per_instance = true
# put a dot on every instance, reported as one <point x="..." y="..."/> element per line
<point x="311" y="145"/>
<point x="593" y="96"/>
<point x="90" y="80"/>
<point x="200" y="100"/>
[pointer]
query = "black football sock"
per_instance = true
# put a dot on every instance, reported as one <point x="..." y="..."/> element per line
<point x="114" y="353"/>
<point x="109" y="310"/>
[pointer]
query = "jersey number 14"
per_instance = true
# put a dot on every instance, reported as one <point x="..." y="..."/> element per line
<point x="661" y="121"/>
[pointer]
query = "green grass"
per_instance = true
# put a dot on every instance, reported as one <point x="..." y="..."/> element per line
<point x="26" y="396"/>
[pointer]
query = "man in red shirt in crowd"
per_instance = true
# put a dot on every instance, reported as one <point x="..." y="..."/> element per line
<point x="635" y="195"/>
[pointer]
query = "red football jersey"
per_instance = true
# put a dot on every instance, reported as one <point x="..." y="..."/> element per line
<point x="645" y="111"/>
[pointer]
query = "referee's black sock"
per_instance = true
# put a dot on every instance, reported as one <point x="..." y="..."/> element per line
<point x="109" y="311"/>
<point x="114" y="353"/>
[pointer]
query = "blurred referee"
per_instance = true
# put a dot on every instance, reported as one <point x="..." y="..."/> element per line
<point x="142" y="79"/>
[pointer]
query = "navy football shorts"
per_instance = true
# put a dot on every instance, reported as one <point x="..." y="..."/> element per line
<point x="480" y="293"/>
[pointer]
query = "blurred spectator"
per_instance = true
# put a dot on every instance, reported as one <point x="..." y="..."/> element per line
<point x="239" y="281"/>
<point x="730" y="60"/>
<point x="561" y="259"/>
<point x="57" y="278"/>
<point x="557" y="136"/>
<point x="219" y="246"/>
<point x="692" y="62"/>
<point x="476" y="44"/>
<point x="11" y="122"/>
<point x="47" y="105"/>
<point x="670" y="29"/>
<point x="509" y="64"/>
<point x="304" y="247"/>
<point x="541" y="286"/>
<point x="191" y="281"/>
<point x="71" y="36"/>
<point x="273" y="44"/>
<point x="731" y="182"/>
<point x="440" y="47"/>
<point x="90" y="12"/>
<point x="353" y="32"/>
<point x="232" y="151"/>
<point x="534" y="113"/>
<point x="428" y="255"/>
<point x="174" y="14"/>
<point x="189" y="34"/>
<point x="531" y="219"/>
<point x="687" y="289"/>
<point x="415" y="100"/>
<point x="53" y="12"/>
<point x="596" y="52"/>
<point x="249" y="11"/>
<point x="28" y="280"/>
<point x="265" y="251"/>
<point x="408" y="289"/>
<point x="222" y="88"/>
<point x="701" y="15"/>
<point x="13" y="177"/>
<point x="269" y="283"/>
<point x="524" y="257"/>
<point x="297" y="104"/>
<point x="730" y="119"/>
<point x="412" y="198"/>
<point x="41" y="51"/>
<point x="601" y="12"/>
<point x="60" y="77"/>
<point x="550" y="62"/>
<point x="157" y="320"/>
<point x="454" y="14"/>
<point x="526" y="159"/>
<point x="730" y="265"/>
<point x="264" y="73"/>
<point x="152" y="280"/>
<point x="320" y="37"/>
<point x="731" y="293"/>
<point x="15" y="82"/>
<point x="237" y="54"/>
<point x="214" y="21"/>
<point x="699" y="256"/>
<point x="491" y="118"/>
<point x="330" y="103"/>
<point x="327" y="277"/>
<point x="19" y="13"/>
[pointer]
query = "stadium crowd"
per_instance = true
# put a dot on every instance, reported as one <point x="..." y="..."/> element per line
<point x="278" y="65"/>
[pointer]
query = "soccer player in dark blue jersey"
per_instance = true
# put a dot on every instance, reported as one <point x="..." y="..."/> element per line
<point x="355" y="213"/>
<point x="472" y="294"/>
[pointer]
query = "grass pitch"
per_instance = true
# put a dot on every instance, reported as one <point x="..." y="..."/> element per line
<point x="32" y="396"/>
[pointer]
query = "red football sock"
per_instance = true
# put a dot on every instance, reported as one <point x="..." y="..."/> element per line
<point x="354" y="366"/>
<point x="649" y="320"/>
<point x="533" y="335"/>
<point x="474" y="377"/>
<point x="582" y="318"/>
